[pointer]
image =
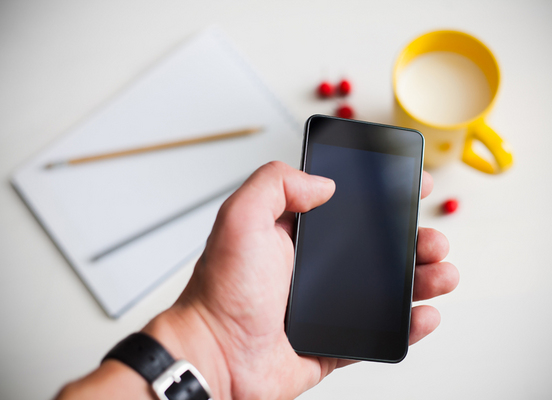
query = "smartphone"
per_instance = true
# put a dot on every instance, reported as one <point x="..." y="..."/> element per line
<point x="351" y="289"/>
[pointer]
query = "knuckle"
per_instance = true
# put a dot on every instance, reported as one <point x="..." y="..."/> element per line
<point x="272" y="167"/>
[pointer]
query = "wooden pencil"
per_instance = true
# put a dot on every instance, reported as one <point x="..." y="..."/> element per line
<point x="155" y="147"/>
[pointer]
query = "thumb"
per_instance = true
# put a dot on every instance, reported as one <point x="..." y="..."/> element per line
<point x="274" y="188"/>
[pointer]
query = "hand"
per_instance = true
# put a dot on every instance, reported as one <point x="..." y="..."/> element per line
<point x="229" y="321"/>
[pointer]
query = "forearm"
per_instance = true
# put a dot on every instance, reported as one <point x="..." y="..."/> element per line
<point x="184" y="335"/>
<point x="111" y="380"/>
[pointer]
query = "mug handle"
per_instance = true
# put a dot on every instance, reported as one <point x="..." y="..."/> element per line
<point x="498" y="147"/>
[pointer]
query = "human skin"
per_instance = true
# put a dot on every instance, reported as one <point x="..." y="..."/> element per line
<point x="229" y="320"/>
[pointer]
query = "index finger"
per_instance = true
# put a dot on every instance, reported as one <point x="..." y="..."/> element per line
<point x="427" y="184"/>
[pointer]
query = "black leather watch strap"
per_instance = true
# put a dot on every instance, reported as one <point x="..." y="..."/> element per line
<point x="143" y="354"/>
<point x="170" y="379"/>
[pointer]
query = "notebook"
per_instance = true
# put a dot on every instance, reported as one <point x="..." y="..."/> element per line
<point x="126" y="224"/>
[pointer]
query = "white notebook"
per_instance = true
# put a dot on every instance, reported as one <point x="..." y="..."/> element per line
<point x="126" y="224"/>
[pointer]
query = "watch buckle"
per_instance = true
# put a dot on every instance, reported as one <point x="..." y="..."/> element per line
<point x="173" y="374"/>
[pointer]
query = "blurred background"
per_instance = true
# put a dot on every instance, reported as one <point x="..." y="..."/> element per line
<point x="61" y="59"/>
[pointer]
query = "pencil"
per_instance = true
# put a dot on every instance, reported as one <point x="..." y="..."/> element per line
<point x="155" y="147"/>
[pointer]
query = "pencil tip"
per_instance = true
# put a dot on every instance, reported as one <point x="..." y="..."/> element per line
<point x="54" y="165"/>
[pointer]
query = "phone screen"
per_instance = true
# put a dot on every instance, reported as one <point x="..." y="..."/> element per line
<point x="352" y="283"/>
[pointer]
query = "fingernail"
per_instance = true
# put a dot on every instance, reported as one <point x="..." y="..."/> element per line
<point x="322" y="179"/>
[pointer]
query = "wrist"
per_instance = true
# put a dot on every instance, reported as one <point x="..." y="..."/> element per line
<point x="184" y="334"/>
<point x="111" y="380"/>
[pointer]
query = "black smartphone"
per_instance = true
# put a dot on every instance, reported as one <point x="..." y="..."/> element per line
<point x="351" y="290"/>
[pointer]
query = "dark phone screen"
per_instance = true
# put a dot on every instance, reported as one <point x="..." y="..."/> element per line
<point x="354" y="257"/>
<point x="354" y="247"/>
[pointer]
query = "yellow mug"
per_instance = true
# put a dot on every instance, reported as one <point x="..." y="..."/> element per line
<point x="445" y="84"/>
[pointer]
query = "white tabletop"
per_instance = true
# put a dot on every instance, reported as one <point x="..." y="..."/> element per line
<point x="61" y="59"/>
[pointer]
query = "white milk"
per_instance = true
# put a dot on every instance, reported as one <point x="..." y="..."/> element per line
<point x="443" y="88"/>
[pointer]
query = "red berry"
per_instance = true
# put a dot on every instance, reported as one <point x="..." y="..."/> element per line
<point x="344" y="87"/>
<point x="450" y="206"/>
<point x="345" y="111"/>
<point x="325" y="89"/>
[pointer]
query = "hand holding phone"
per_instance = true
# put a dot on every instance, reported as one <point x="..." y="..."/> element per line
<point x="235" y="302"/>
<point x="351" y="290"/>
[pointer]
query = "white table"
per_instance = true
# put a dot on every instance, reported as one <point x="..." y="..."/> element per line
<point x="60" y="59"/>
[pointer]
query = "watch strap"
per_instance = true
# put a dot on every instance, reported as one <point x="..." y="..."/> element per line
<point x="170" y="379"/>
<point x="143" y="354"/>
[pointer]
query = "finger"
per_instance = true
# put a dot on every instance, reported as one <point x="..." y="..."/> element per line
<point x="287" y="222"/>
<point x="274" y="188"/>
<point x="432" y="280"/>
<point x="309" y="372"/>
<point x="427" y="184"/>
<point x="424" y="320"/>
<point x="344" y="363"/>
<point x="432" y="246"/>
<point x="328" y="365"/>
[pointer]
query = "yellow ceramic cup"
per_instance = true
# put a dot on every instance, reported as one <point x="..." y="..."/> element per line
<point x="448" y="142"/>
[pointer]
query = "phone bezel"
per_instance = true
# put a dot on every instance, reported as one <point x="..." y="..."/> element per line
<point x="350" y="343"/>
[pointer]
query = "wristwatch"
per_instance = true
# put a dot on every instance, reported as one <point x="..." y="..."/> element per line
<point x="170" y="379"/>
